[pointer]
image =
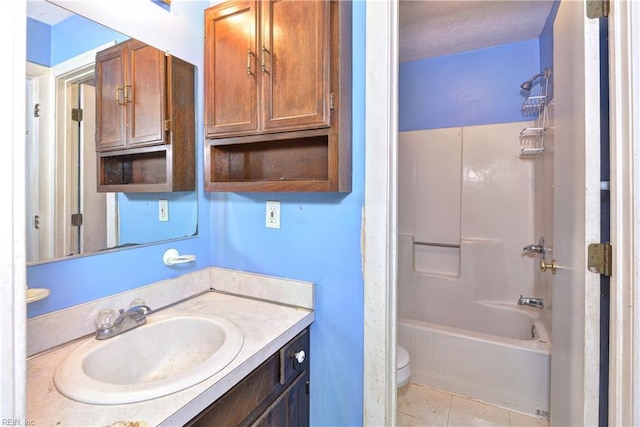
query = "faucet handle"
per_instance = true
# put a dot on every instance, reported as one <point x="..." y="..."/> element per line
<point x="137" y="302"/>
<point x="106" y="318"/>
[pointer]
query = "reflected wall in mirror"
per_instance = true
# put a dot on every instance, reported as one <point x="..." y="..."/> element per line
<point x="65" y="214"/>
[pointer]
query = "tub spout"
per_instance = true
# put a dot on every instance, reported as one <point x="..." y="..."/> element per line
<point x="532" y="302"/>
<point x="539" y="249"/>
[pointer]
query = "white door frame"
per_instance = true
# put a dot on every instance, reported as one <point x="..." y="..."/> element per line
<point x="12" y="227"/>
<point x="379" y="235"/>
<point x="64" y="76"/>
<point x="379" y="229"/>
<point x="624" y="77"/>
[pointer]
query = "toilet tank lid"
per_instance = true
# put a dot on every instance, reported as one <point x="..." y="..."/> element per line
<point x="402" y="357"/>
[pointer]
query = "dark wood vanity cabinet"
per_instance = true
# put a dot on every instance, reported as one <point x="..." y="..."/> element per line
<point x="278" y="96"/>
<point x="274" y="394"/>
<point x="145" y="120"/>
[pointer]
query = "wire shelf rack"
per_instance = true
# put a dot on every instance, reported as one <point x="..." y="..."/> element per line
<point x="532" y="138"/>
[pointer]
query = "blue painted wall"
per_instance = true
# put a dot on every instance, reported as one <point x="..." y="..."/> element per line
<point x="38" y="42"/>
<point x="319" y="241"/>
<point x="66" y="44"/>
<point x="50" y="45"/>
<point x="139" y="221"/>
<point x="466" y="89"/>
<point x="546" y="43"/>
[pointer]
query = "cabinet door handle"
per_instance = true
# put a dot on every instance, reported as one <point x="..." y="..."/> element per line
<point x="249" y="62"/>
<point x="118" y="89"/>
<point x="263" y="60"/>
<point x="126" y="94"/>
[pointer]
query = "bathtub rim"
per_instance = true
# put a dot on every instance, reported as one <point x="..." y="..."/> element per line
<point x="541" y="345"/>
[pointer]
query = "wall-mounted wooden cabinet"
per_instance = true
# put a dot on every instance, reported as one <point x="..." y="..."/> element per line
<point x="278" y="96"/>
<point x="145" y="120"/>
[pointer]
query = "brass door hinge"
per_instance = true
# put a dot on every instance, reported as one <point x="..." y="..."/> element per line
<point x="76" y="219"/>
<point x="597" y="9"/>
<point x="167" y="125"/>
<point x="77" y="114"/>
<point x="332" y="102"/>
<point x="599" y="258"/>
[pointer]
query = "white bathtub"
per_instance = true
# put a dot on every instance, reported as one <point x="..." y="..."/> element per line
<point x="497" y="352"/>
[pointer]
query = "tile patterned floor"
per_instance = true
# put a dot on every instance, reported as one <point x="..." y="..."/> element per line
<point x="420" y="406"/>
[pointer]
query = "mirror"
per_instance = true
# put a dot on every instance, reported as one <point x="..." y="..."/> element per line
<point x="66" y="216"/>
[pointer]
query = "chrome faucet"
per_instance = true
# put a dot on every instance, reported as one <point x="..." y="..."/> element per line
<point x="127" y="319"/>
<point x="533" y="302"/>
<point x="540" y="248"/>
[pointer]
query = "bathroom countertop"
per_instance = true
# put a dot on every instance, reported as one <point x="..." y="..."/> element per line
<point x="266" y="326"/>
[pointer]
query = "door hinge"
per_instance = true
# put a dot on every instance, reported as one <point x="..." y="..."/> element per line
<point x="76" y="114"/>
<point x="36" y="110"/>
<point x="167" y="125"/>
<point x="76" y="219"/>
<point x="599" y="258"/>
<point x="597" y="9"/>
<point x="332" y="101"/>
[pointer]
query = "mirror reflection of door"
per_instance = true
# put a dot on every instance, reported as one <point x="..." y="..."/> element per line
<point x="64" y="215"/>
<point x="39" y="164"/>
<point x="87" y="209"/>
<point x="32" y="193"/>
<point x="87" y="219"/>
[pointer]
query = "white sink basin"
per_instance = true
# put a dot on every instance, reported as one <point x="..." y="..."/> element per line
<point x="164" y="356"/>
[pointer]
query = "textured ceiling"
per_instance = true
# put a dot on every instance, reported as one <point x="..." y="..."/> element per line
<point x="428" y="27"/>
<point x="433" y="28"/>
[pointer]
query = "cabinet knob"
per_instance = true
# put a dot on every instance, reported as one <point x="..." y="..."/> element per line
<point x="300" y="356"/>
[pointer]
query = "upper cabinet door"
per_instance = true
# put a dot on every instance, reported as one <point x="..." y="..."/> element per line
<point x="295" y="66"/>
<point x="110" y="102"/>
<point x="231" y="69"/>
<point x="145" y="94"/>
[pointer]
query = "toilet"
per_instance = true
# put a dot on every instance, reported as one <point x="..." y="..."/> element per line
<point x="402" y="365"/>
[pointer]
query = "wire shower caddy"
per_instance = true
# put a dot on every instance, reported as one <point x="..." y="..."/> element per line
<point x="532" y="138"/>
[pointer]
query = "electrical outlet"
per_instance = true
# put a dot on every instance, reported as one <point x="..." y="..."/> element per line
<point x="273" y="214"/>
<point x="163" y="210"/>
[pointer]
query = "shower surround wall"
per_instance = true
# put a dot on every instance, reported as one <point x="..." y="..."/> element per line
<point x="488" y="211"/>
<point x="457" y="309"/>
<point x="482" y="193"/>
<point x="462" y="183"/>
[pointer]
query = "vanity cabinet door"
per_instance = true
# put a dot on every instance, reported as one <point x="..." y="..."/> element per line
<point x="231" y="69"/>
<point x="275" y="394"/>
<point x="145" y="94"/>
<point x="295" y="69"/>
<point x="110" y="111"/>
<point x="291" y="409"/>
